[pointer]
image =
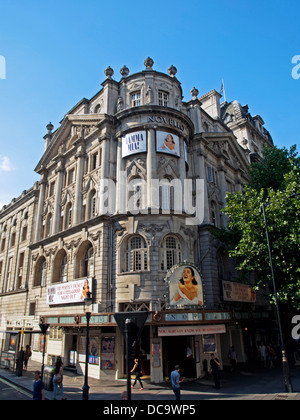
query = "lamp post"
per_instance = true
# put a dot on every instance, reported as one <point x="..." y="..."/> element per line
<point x="85" y="388"/>
<point x="285" y="363"/>
<point x="44" y="327"/>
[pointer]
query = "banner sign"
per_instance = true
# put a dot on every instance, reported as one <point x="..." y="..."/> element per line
<point x="190" y="330"/>
<point x="238" y="292"/>
<point x="135" y="142"/>
<point x="184" y="287"/>
<point x="167" y="143"/>
<point x="71" y="292"/>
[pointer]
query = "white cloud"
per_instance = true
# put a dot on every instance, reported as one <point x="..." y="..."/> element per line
<point x="5" y="164"/>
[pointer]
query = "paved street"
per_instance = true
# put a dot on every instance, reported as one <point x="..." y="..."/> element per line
<point x="9" y="391"/>
<point x="257" y="384"/>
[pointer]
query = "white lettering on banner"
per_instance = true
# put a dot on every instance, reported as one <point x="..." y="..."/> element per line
<point x="72" y="292"/>
<point x="197" y="330"/>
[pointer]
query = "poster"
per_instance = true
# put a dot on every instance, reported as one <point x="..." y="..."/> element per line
<point x="71" y="292"/>
<point x="135" y="142"/>
<point x="93" y="350"/>
<point x="167" y="143"/>
<point x="209" y="344"/>
<point x="184" y="286"/>
<point x="156" y="355"/>
<point x="108" y="353"/>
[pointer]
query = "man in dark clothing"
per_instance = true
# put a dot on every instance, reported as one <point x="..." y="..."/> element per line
<point x="38" y="387"/>
<point x="215" y="369"/>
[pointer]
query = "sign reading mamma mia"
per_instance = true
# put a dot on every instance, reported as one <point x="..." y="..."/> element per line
<point x="134" y="143"/>
<point x="71" y="292"/>
<point x="184" y="286"/>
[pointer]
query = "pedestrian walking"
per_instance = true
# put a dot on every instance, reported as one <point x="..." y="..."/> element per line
<point x="176" y="380"/>
<point x="58" y="379"/>
<point x="262" y="350"/>
<point x="215" y="370"/>
<point x="271" y="355"/>
<point x="38" y="387"/>
<point x="137" y="370"/>
<point x="27" y="355"/>
<point x="232" y="358"/>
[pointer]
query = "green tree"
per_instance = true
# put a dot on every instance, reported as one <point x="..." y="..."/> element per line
<point x="245" y="237"/>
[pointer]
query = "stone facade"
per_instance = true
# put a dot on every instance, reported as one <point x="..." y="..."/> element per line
<point x="114" y="214"/>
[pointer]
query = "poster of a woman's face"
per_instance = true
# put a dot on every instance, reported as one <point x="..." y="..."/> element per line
<point x="167" y="143"/>
<point x="185" y="286"/>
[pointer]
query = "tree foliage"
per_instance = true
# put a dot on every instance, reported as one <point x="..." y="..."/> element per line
<point x="246" y="236"/>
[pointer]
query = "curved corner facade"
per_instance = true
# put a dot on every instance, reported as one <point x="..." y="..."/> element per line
<point x="132" y="186"/>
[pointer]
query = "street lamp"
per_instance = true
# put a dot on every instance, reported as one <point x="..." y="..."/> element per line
<point x="285" y="363"/>
<point x="85" y="388"/>
<point x="44" y="327"/>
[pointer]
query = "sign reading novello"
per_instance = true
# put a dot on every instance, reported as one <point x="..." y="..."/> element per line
<point x="184" y="286"/>
<point x="135" y="142"/>
<point x="71" y="292"/>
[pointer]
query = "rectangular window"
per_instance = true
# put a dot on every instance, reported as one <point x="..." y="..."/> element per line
<point x="163" y="98"/>
<point x="211" y="175"/>
<point x="51" y="189"/>
<point x="8" y="275"/>
<point x="13" y="239"/>
<point x="94" y="161"/>
<point x="71" y="176"/>
<point x="21" y="263"/>
<point x="136" y="99"/>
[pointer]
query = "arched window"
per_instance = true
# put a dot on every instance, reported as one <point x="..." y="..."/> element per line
<point x="171" y="252"/>
<point x="60" y="267"/>
<point x="40" y="275"/>
<point x="84" y="261"/>
<point x="136" y="254"/>
<point x="89" y="262"/>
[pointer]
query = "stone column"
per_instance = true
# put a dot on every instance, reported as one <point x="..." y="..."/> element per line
<point x="57" y="201"/>
<point x="181" y="168"/>
<point x="39" y="221"/>
<point x="121" y="181"/>
<point x="58" y="188"/>
<point x="151" y="166"/>
<point x="80" y="156"/>
<point x="104" y="171"/>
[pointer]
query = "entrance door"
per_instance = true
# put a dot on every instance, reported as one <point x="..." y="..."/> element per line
<point x="175" y="352"/>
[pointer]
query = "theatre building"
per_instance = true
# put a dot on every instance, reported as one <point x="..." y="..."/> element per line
<point x="131" y="188"/>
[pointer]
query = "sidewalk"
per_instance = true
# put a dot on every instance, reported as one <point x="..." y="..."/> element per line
<point x="243" y="385"/>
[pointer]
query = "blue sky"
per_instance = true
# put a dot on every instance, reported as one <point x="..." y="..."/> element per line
<point x="56" y="53"/>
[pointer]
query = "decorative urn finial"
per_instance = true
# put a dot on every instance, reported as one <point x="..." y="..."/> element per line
<point x="108" y="72"/>
<point x="194" y="93"/>
<point x="149" y="63"/>
<point x="172" y="71"/>
<point x="124" y="71"/>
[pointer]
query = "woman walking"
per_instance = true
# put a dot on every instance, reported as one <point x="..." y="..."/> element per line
<point x="137" y="370"/>
<point x="58" y="379"/>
